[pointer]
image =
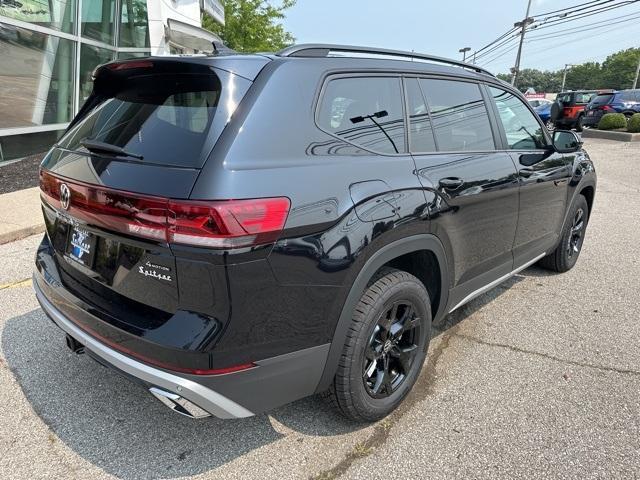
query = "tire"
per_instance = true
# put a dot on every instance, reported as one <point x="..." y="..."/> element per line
<point x="362" y="390"/>
<point x="579" y="123"/>
<point x="566" y="254"/>
<point x="550" y="125"/>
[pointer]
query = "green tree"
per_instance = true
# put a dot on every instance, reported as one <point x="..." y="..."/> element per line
<point x="252" y="25"/>
<point x="619" y="69"/>
<point x="587" y="76"/>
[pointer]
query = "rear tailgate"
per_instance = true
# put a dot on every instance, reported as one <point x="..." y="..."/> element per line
<point x="106" y="213"/>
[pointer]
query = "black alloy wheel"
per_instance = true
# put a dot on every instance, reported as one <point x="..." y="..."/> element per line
<point x="576" y="237"/>
<point x="566" y="254"/>
<point x="392" y="349"/>
<point x="385" y="347"/>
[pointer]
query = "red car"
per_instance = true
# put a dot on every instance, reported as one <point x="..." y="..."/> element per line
<point x="567" y="111"/>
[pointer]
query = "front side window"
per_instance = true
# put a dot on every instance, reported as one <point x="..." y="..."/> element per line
<point x="366" y="112"/>
<point x="521" y="127"/>
<point x="459" y="115"/>
<point x="421" y="138"/>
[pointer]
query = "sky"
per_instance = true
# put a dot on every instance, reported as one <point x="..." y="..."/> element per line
<point x="443" y="27"/>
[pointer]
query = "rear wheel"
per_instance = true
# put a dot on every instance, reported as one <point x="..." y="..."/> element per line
<point x="385" y="348"/>
<point x="566" y="254"/>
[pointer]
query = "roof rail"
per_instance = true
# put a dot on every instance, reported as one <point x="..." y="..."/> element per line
<point x="323" y="50"/>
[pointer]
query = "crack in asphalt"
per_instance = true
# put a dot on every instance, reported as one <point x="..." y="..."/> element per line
<point x="547" y="356"/>
<point x="424" y="387"/>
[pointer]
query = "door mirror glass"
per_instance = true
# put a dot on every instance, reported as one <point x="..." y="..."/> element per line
<point x="565" y="141"/>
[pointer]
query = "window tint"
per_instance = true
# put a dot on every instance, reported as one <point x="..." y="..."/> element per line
<point x="420" y="131"/>
<point x="523" y="130"/>
<point x="602" y="99"/>
<point x="165" y="119"/>
<point x="582" y="98"/>
<point x="365" y="111"/>
<point x="459" y="115"/>
<point x="628" y="96"/>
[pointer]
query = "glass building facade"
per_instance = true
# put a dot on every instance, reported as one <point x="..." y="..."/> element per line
<point x="48" y="50"/>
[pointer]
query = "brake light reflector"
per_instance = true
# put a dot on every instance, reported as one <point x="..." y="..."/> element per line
<point x="213" y="224"/>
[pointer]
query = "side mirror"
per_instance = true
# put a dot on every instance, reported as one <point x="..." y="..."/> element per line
<point x="565" y="141"/>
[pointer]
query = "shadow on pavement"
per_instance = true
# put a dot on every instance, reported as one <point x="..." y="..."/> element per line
<point x="117" y="426"/>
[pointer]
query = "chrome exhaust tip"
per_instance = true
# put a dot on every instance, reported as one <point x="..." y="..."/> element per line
<point x="179" y="404"/>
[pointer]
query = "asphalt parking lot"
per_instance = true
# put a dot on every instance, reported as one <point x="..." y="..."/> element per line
<point x="539" y="378"/>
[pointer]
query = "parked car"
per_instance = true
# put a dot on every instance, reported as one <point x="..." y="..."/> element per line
<point x="233" y="247"/>
<point x="538" y="102"/>
<point x="568" y="109"/>
<point x="544" y="112"/>
<point x="623" y="101"/>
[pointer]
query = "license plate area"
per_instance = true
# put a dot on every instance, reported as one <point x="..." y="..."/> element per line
<point x="81" y="246"/>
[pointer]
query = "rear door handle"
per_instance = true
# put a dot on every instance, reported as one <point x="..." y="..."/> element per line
<point x="451" y="183"/>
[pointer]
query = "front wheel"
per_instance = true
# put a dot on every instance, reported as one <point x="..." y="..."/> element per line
<point x="385" y="347"/>
<point x="566" y="254"/>
<point x="580" y="123"/>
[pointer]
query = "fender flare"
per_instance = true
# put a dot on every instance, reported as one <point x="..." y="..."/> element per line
<point x="384" y="255"/>
<point x="588" y="181"/>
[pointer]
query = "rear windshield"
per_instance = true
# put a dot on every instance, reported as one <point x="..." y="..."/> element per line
<point x="602" y="99"/>
<point x="165" y="119"/>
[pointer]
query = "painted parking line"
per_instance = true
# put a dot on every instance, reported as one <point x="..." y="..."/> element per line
<point x="20" y="283"/>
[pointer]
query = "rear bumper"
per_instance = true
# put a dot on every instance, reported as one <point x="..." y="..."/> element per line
<point x="590" y="120"/>
<point x="271" y="383"/>
<point x="205" y="398"/>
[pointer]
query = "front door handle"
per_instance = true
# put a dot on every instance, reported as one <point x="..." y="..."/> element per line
<point x="451" y="183"/>
<point x="526" y="172"/>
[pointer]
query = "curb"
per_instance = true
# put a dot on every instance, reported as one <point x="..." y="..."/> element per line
<point x="20" y="233"/>
<point x="611" y="135"/>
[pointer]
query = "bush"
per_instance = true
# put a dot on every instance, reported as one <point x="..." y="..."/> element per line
<point x="634" y="123"/>
<point x="611" y="121"/>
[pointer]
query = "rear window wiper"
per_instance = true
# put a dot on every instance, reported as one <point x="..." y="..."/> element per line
<point x="101" y="147"/>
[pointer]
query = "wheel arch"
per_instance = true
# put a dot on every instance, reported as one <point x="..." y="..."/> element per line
<point x="392" y="254"/>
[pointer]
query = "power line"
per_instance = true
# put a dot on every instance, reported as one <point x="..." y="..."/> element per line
<point x="499" y="55"/>
<point x="496" y="40"/>
<point x="580" y="15"/>
<point x="496" y="47"/>
<point x="578" y="30"/>
<point x="545" y="14"/>
<point x="586" y="24"/>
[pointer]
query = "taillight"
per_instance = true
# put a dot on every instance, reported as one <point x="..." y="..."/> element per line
<point x="227" y="223"/>
<point x="608" y="108"/>
<point x="214" y="224"/>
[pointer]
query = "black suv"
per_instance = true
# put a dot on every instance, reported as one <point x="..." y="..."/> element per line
<point x="238" y="232"/>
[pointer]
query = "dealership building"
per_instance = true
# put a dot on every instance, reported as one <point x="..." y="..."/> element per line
<point x="48" y="49"/>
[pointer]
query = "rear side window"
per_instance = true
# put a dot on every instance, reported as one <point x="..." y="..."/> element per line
<point x="584" y="98"/>
<point x="421" y="138"/>
<point x="628" y="96"/>
<point x="366" y="111"/>
<point x="521" y="127"/>
<point x="168" y="119"/>
<point x="459" y="115"/>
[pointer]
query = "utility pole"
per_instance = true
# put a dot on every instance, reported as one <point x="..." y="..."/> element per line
<point x="635" y="82"/>
<point x="524" y="23"/>
<point x="564" y="75"/>
<point x="464" y="51"/>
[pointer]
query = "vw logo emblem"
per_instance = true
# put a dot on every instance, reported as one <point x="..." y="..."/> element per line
<point x="65" y="196"/>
